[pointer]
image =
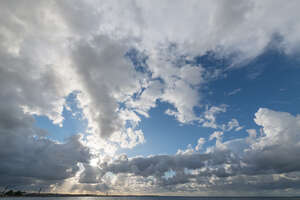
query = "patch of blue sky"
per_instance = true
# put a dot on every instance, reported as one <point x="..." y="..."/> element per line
<point x="271" y="81"/>
<point x="138" y="60"/>
<point x="164" y="135"/>
<point x="211" y="60"/>
<point x="73" y="122"/>
<point x="169" y="174"/>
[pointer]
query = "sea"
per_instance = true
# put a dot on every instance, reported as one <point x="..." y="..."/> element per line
<point x="151" y="198"/>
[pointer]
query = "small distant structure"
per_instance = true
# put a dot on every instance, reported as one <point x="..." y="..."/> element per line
<point x="40" y="190"/>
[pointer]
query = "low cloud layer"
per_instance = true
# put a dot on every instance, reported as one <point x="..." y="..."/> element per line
<point x="120" y="59"/>
<point x="242" y="165"/>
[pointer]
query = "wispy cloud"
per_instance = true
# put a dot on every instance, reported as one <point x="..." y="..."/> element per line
<point x="235" y="91"/>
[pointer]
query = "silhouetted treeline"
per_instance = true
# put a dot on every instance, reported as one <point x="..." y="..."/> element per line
<point x="13" y="193"/>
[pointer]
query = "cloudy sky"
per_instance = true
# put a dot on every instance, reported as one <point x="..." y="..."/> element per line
<point x="150" y="97"/>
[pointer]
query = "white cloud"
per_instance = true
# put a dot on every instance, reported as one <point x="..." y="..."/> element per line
<point x="209" y="119"/>
<point x="244" y="26"/>
<point x="210" y="116"/>
<point x="180" y="88"/>
<point x="200" y="143"/>
<point x="280" y="129"/>
<point x="233" y="124"/>
<point x="129" y="138"/>
<point x="252" y="132"/>
<point x="147" y="99"/>
<point x="217" y="135"/>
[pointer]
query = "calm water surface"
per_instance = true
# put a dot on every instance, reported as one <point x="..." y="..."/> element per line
<point x="151" y="198"/>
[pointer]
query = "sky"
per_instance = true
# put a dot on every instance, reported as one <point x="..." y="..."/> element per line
<point x="150" y="97"/>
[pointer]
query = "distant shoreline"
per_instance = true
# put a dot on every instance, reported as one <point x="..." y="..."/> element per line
<point x="99" y="195"/>
<point x="77" y="195"/>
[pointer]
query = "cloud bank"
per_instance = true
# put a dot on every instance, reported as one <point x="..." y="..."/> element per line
<point x="246" y="165"/>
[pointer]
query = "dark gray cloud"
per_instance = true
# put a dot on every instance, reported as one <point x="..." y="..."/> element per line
<point x="29" y="159"/>
<point x="40" y="158"/>
<point x="107" y="77"/>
